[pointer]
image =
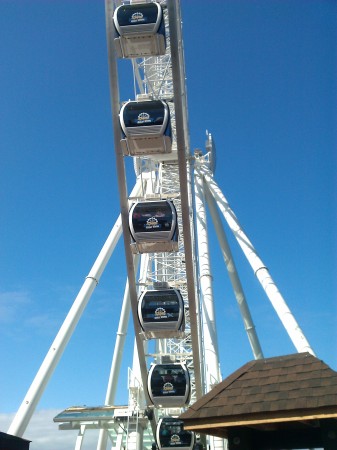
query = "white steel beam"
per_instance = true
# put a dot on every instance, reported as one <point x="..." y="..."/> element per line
<point x="122" y="185"/>
<point x="117" y="358"/>
<point x="234" y="277"/>
<point x="288" y="320"/>
<point x="210" y="338"/>
<point x="34" y="393"/>
<point x="179" y="88"/>
<point x="80" y="437"/>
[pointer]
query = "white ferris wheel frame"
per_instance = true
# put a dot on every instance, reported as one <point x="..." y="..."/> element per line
<point x="190" y="181"/>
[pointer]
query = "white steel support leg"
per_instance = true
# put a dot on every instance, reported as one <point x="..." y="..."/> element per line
<point x="212" y="370"/>
<point x="234" y="277"/>
<point x="117" y="358"/>
<point x="55" y="352"/>
<point x="135" y="439"/>
<point x="210" y="338"/>
<point x="290" y="324"/>
<point x="182" y="135"/>
<point x="134" y="380"/>
<point x="80" y="437"/>
<point x="122" y="182"/>
<point x="34" y="393"/>
<point x="119" y="439"/>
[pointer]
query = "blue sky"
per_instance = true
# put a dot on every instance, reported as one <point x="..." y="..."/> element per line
<point x="261" y="77"/>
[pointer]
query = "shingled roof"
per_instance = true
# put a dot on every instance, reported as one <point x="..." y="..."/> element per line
<point x="292" y="388"/>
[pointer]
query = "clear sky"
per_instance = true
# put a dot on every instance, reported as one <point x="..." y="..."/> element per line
<point x="261" y="77"/>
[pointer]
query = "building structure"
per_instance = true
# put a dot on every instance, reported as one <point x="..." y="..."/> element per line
<point x="285" y="402"/>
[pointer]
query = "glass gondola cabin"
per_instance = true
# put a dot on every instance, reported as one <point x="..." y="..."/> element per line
<point x="140" y="30"/>
<point x="153" y="227"/>
<point x="170" y="434"/>
<point x="146" y="128"/>
<point x="161" y="312"/>
<point x="169" y="385"/>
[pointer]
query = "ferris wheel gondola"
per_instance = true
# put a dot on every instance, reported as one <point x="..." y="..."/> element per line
<point x="153" y="227"/>
<point x="141" y="30"/>
<point x="146" y="128"/>
<point x="170" y="434"/>
<point x="169" y="385"/>
<point x="161" y="312"/>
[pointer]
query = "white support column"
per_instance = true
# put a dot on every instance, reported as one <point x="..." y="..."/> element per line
<point x="182" y="135"/>
<point x="117" y="358"/>
<point x="119" y="439"/>
<point x="210" y="338"/>
<point x="293" y="329"/>
<point x="135" y="439"/>
<point x="80" y="437"/>
<point x="135" y="380"/>
<point x="34" y="393"/>
<point x="234" y="277"/>
<point x="55" y="352"/>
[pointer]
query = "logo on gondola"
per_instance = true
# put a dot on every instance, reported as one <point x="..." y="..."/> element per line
<point x="168" y="387"/>
<point x="175" y="439"/>
<point x="143" y="118"/>
<point x="152" y="222"/>
<point x="160" y="313"/>
<point x="137" y="17"/>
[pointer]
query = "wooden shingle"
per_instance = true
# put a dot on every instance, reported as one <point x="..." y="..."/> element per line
<point x="292" y="388"/>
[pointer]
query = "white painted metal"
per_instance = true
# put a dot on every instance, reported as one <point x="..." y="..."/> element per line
<point x="211" y="365"/>
<point x="122" y="184"/>
<point x="135" y="439"/>
<point x="156" y="78"/>
<point x="136" y="389"/>
<point x="117" y="358"/>
<point x="168" y="176"/>
<point x="210" y="339"/>
<point x="233" y="276"/>
<point x="80" y="437"/>
<point x="34" y="393"/>
<point x="119" y="440"/>
<point x="154" y="75"/>
<point x="288" y="320"/>
<point x="179" y="89"/>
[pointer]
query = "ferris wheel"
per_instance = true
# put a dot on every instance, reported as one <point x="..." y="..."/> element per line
<point x="164" y="227"/>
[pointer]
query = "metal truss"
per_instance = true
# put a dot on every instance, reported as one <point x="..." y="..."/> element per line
<point x="188" y="180"/>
